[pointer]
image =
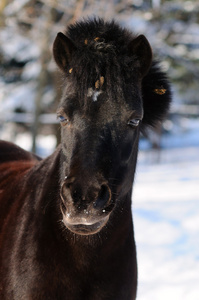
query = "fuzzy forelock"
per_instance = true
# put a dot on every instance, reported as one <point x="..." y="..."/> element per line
<point x="102" y="51"/>
<point x="95" y="30"/>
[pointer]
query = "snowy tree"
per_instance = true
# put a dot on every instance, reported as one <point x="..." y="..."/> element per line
<point x="28" y="76"/>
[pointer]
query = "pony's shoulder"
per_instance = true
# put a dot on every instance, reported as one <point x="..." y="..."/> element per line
<point x="11" y="152"/>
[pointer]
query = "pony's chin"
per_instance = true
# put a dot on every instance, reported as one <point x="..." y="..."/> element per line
<point x="87" y="228"/>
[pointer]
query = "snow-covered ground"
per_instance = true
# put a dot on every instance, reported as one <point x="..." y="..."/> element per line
<point x="166" y="220"/>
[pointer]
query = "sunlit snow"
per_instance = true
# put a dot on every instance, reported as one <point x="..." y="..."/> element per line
<point x="166" y="220"/>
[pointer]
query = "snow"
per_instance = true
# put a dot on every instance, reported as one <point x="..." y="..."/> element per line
<point x="166" y="220"/>
<point x="14" y="96"/>
<point x="17" y="46"/>
<point x="14" y="7"/>
<point x="31" y="70"/>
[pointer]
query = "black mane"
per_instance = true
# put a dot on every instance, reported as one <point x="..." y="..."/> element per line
<point x="156" y="94"/>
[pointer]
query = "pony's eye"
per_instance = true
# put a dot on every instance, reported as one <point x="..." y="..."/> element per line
<point x="62" y="120"/>
<point x="134" y="122"/>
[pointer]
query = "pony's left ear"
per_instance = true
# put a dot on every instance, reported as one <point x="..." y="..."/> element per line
<point x="141" y="48"/>
<point x="63" y="49"/>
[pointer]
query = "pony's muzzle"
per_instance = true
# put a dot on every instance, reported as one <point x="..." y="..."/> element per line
<point x="85" y="211"/>
<point x="96" y="196"/>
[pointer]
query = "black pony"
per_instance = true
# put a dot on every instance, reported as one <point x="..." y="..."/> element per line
<point x="66" y="230"/>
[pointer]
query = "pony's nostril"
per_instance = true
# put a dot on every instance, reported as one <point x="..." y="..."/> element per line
<point x="77" y="195"/>
<point x="103" y="197"/>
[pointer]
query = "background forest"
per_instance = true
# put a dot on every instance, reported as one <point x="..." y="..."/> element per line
<point x="30" y="85"/>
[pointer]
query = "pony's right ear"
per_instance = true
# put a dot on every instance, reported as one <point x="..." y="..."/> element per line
<point x="63" y="49"/>
<point x="141" y="48"/>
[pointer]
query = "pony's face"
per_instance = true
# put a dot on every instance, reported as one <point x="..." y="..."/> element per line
<point x="100" y="114"/>
<point x="99" y="144"/>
